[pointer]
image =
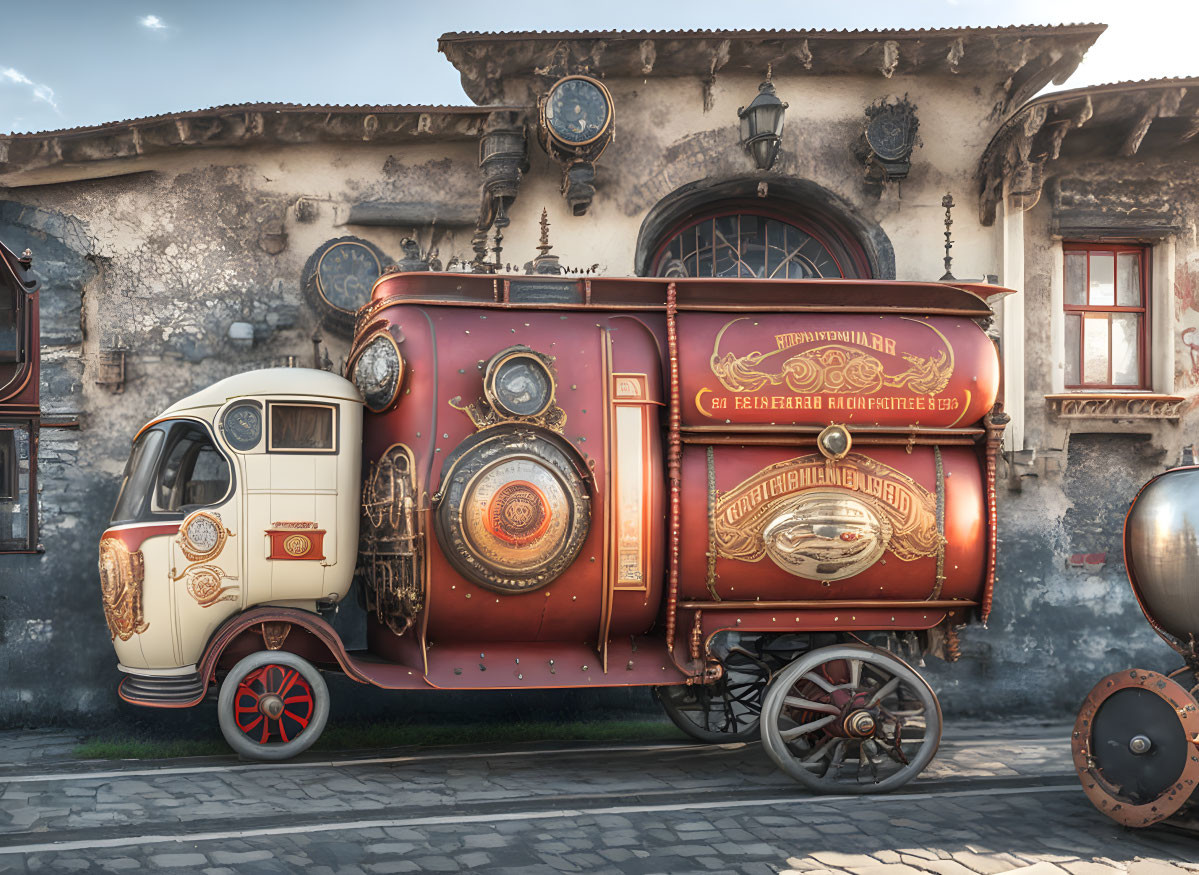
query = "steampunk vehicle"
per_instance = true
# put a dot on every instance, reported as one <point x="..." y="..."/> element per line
<point x="749" y="495"/>
<point x="1136" y="739"/>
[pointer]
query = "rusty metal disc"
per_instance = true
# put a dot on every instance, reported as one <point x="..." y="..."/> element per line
<point x="1136" y="747"/>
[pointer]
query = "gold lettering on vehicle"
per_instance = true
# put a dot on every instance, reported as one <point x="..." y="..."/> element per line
<point x="832" y="370"/>
<point x="121" y="576"/>
<point x="910" y="510"/>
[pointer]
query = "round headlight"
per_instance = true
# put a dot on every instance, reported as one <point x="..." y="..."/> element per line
<point x="378" y="372"/>
<point x="519" y="383"/>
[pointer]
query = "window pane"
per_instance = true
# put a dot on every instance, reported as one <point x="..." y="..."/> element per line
<point x="726" y="246"/>
<point x="301" y="427"/>
<point x="15" y="503"/>
<point x="1126" y="333"/>
<point x="1095" y="346"/>
<point x="1103" y="279"/>
<point x="9" y="327"/>
<point x="1073" y="339"/>
<point x="192" y="471"/>
<point x="139" y="473"/>
<point x="1128" y="279"/>
<point x="1076" y="279"/>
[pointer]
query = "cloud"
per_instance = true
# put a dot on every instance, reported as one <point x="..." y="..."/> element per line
<point x="152" y="22"/>
<point x="40" y="92"/>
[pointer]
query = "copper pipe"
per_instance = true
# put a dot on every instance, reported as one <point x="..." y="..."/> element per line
<point x="838" y="605"/>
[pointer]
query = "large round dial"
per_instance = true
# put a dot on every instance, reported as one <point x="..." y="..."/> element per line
<point x="513" y="512"/>
<point x="578" y="110"/>
<point x="242" y="425"/>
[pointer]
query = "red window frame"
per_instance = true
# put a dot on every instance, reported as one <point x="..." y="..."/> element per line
<point x="1144" y="377"/>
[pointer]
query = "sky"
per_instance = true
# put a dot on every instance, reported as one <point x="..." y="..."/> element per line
<point x="69" y="63"/>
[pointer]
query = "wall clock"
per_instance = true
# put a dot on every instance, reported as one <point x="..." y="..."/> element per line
<point x="338" y="278"/>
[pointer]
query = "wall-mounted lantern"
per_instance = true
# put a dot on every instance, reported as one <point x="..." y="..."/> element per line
<point x="762" y="125"/>
<point x="110" y="369"/>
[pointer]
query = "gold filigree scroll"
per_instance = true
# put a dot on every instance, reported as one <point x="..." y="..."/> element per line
<point x="845" y="366"/>
<point x="121" y="576"/>
<point x="204" y="585"/>
<point x="482" y="415"/>
<point x="907" y="508"/>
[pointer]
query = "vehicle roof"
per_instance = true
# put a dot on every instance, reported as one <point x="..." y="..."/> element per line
<point x="307" y="382"/>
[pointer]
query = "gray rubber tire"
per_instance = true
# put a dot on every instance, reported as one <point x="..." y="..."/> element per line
<point x="283" y="750"/>
<point x="774" y="723"/>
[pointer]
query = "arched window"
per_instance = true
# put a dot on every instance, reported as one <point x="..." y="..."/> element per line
<point x="752" y="244"/>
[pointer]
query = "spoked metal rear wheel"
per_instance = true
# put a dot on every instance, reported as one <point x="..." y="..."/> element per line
<point x="727" y="710"/>
<point x="850" y="719"/>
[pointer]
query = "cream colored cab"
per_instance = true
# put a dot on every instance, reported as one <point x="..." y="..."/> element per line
<point x="243" y="494"/>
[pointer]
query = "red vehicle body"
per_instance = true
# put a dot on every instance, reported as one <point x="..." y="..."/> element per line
<point x="717" y="488"/>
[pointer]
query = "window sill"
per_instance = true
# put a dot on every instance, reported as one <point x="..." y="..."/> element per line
<point x="1115" y="405"/>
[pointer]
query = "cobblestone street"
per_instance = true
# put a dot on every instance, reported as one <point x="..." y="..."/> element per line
<point x="992" y="802"/>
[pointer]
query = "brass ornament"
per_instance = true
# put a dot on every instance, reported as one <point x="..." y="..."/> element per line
<point x="297" y="545"/>
<point x="202" y="536"/>
<point x="844" y="365"/>
<point x="493" y="409"/>
<point x="827" y="535"/>
<point x="204" y="585"/>
<point x="274" y="634"/>
<point x="827" y="522"/>
<point x="833" y="368"/>
<point x="391" y="545"/>
<point x="122" y="574"/>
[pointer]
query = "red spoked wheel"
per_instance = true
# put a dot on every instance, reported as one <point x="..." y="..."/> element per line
<point x="273" y="705"/>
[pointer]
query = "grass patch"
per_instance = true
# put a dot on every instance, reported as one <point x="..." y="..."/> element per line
<point x="374" y="736"/>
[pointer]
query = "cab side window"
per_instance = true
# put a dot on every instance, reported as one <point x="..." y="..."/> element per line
<point x="193" y="472"/>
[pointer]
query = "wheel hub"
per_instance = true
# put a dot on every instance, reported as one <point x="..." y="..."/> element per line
<point x="271" y="705"/>
<point x="860" y="724"/>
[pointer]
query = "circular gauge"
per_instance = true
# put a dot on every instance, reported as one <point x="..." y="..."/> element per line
<point x="242" y="425"/>
<point x="202" y="536"/>
<point x="514" y="511"/>
<point x="519" y="383"/>
<point x="577" y="110"/>
<point x="378" y="372"/>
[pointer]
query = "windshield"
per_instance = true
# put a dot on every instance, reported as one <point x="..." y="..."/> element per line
<point x="174" y="466"/>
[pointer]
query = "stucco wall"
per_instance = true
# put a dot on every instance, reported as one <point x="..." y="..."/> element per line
<point x="163" y="260"/>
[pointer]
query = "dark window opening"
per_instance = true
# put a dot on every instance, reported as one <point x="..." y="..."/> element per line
<point x="18" y="519"/>
<point x="173" y="468"/>
<point x="302" y="428"/>
<point x="11" y="326"/>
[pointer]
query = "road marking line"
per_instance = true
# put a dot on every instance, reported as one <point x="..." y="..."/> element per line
<point x="462" y="819"/>
<point x="334" y="764"/>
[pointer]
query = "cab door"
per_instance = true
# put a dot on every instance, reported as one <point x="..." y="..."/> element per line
<point x="196" y="485"/>
<point x="292" y="504"/>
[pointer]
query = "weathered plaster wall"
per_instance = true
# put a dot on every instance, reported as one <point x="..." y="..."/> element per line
<point x="1065" y="615"/>
<point x="665" y="140"/>
<point x="161" y="263"/>
<point x="163" y="260"/>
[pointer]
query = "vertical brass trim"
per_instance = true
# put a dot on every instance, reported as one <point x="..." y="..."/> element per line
<point x="674" y="461"/>
<point x="608" y="572"/>
<point x="712" y="524"/>
<point x="940" y="583"/>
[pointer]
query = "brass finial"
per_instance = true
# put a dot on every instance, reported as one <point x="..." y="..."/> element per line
<point x="947" y="202"/>
<point x="544" y="246"/>
<point x="544" y="263"/>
